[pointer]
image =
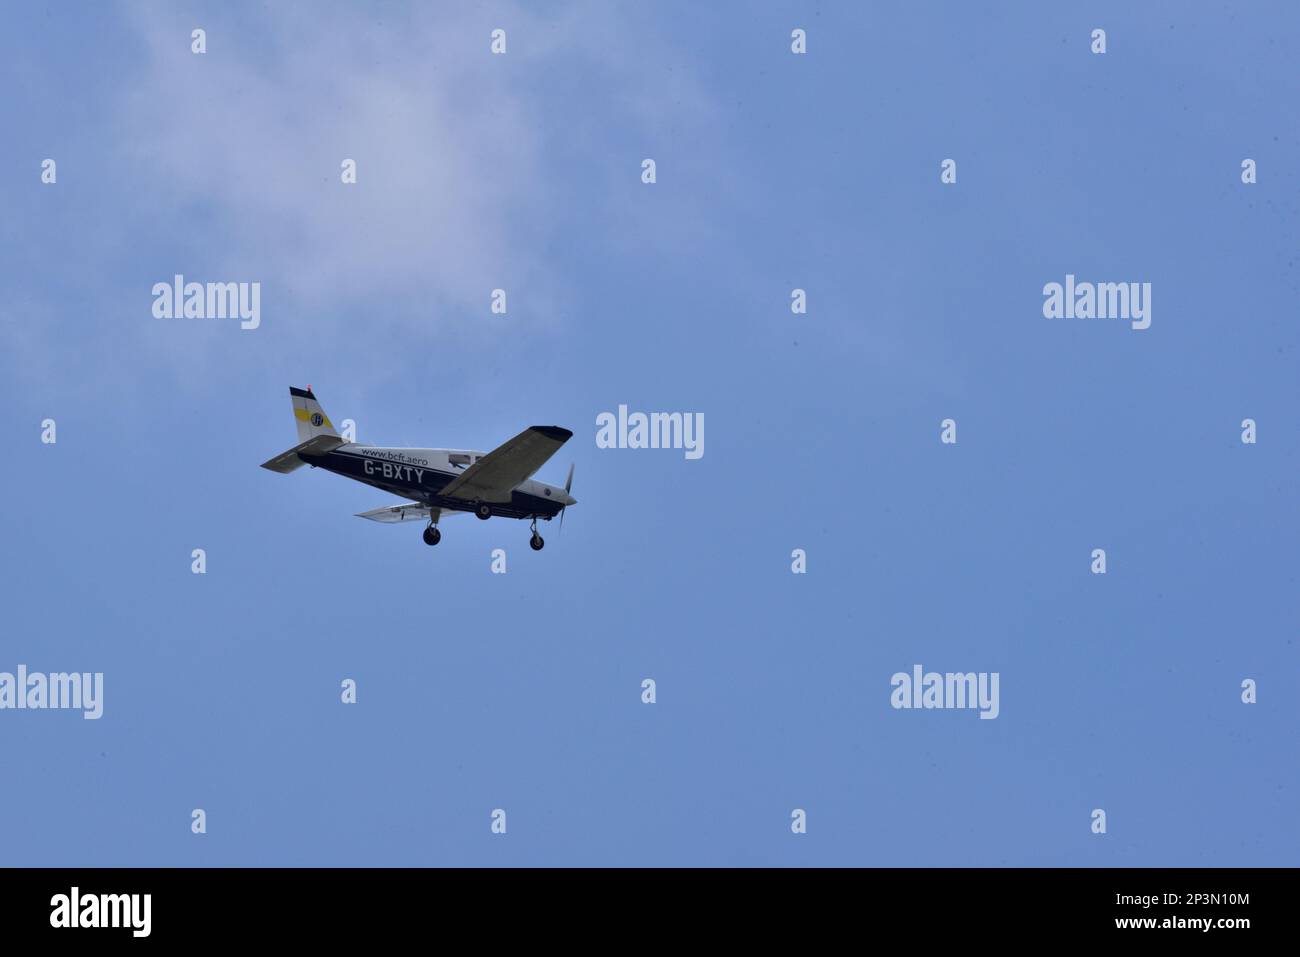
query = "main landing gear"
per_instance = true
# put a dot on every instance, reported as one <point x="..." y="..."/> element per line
<point x="483" y="511"/>
<point x="432" y="536"/>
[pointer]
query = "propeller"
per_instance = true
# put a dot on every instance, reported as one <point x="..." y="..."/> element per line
<point x="568" y="484"/>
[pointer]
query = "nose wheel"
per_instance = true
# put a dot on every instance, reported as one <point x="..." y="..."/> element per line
<point x="536" y="542"/>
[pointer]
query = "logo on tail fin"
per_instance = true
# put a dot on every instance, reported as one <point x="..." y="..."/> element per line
<point x="311" y="418"/>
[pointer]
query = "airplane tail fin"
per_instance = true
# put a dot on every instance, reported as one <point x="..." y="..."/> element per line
<point x="309" y="416"/>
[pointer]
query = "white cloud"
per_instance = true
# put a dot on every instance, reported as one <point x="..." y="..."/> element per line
<point x="249" y="138"/>
<point x="452" y="197"/>
<point x="225" y="167"/>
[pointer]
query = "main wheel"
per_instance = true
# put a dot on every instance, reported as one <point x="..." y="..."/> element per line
<point x="483" y="511"/>
<point x="536" y="542"/>
<point x="432" y="536"/>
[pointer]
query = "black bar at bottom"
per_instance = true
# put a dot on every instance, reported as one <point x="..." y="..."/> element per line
<point x="532" y="905"/>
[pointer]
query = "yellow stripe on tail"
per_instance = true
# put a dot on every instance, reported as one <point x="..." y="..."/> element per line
<point x="309" y="416"/>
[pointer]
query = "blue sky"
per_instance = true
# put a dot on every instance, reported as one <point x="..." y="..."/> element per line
<point x="775" y="171"/>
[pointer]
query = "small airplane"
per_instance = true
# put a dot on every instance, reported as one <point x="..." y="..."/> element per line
<point x="437" y="482"/>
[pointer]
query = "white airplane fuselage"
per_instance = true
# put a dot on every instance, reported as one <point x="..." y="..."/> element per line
<point x="421" y="474"/>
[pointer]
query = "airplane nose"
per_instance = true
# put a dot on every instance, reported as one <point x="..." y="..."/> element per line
<point x="569" y="500"/>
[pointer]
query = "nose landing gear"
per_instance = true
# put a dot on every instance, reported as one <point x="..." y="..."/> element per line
<point x="536" y="542"/>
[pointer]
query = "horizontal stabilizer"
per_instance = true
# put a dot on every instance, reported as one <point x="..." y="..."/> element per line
<point x="288" y="461"/>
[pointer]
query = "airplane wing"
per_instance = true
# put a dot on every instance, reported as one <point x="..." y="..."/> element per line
<point x="406" y="512"/>
<point x="492" y="477"/>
